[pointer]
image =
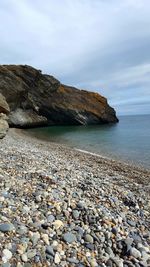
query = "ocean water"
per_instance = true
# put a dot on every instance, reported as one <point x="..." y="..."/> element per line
<point x="128" y="140"/>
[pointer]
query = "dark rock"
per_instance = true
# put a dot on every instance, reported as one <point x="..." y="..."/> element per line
<point x="72" y="260"/>
<point x="89" y="246"/>
<point x="50" y="251"/>
<point x="114" y="230"/>
<point x="38" y="99"/>
<point x="109" y="263"/>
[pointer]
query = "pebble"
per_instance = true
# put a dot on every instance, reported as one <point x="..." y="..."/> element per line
<point x="7" y="264"/>
<point x="45" y="238"/>
<point x="50" y="218"/>
<point x="69" y="237"/>
<point x="57" y="258"/>
<point x="24" y="257"/>
<point x="118" y="262"/>
<point x="2" y="199"/>
<point x="6" y="255"/>
<point x="75" y="214"/>
<point x="88" y="238"/>
<point x="57" y="224"/>
<point x="64" y="208"/>
<point x="50" y="251"/>
<point x="6" y="227"/>
<point x="72" y="260"/>
<point x="135" y="253"/>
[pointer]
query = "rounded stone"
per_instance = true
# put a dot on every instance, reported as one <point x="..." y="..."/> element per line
<point x="135" y="253"/>
<point x="50" y="251"/>
<point x="75" y="214"/>
<point x="88" y="238"/>
<point x="57" y="258"/>
<point x="7" y="255"/>
<point x="24" y="257"/>
<point x="69" y="237"/>
<point x="6" y="227"/>
<point x="50" y="218"/>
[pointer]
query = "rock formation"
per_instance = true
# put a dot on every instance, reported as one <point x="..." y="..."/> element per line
<point x="39" y="99"/>
<point x="4" y="109"/>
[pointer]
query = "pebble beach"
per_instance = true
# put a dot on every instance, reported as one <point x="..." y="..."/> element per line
<point x="63" y="207"/>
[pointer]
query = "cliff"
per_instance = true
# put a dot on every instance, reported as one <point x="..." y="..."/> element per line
<point x="39" y="99"/>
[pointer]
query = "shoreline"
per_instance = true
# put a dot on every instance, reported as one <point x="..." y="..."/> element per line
<point x="112" y="156"/>
<point x="64" y="207"/>
<point x="103" y="158"/>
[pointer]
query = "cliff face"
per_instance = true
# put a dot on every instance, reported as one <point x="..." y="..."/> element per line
<point x="38" y="99"/>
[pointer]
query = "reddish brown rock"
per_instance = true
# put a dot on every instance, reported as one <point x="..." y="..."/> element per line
<point x="38" y="99"/>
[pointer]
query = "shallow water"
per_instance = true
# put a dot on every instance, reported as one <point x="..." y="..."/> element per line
<point x="128" y="140"/>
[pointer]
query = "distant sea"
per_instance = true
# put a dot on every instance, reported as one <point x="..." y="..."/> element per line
<point x="128" y="140"/>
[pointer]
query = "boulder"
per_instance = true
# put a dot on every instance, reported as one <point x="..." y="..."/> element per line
<point x="4" y="108"/>
<point x="39" y="99"/>
<point x="3" y="125"/>
<point x="26" y="118"/>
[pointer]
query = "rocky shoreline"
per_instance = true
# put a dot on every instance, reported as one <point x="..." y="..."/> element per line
<point x="62" y="207"/>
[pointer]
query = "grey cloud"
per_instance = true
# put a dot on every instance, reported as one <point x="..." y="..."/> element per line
<point x="97" y="45"/>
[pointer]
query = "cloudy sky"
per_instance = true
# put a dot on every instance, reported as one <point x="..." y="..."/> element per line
<point x="99" y="45"/>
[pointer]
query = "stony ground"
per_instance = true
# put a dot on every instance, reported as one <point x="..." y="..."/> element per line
<point x="61" y="207"/>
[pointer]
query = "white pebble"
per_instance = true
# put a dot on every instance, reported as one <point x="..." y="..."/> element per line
<point x="24" y="257"/>
<point x="7" y="255"/>
<point x="57" y="258"/>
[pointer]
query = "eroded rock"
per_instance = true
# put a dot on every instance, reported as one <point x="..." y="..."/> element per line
<point x="38" y="99"/>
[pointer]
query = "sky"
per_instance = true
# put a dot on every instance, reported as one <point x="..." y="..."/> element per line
<point x="97" y="45"/>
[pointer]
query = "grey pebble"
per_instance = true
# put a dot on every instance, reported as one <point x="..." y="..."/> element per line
<point x="135" y="253"/>
<point x="72" y="260"/>
<point x="50" y="218"/>
<point x="128" y="241"/>
<point x="75" y="214"/>
<point x="89" y="246"/>
<point x="50" y="251"/>
<point x="6" y="227"/>
<point x="7" y="264"/>
<point x="69" y="237"/>
<point x="88" y="238"/>
<point x="131" y="223"/>
<point x="109" y="263"/>
<point x="80" y="205"/>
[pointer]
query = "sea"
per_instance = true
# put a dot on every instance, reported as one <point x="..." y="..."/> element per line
<point x="128" y="140"/>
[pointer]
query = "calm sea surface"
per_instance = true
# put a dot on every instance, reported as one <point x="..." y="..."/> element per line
<point x="128" y="140"/>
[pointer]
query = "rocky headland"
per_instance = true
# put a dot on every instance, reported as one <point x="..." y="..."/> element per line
<point x="38" y="99"/>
